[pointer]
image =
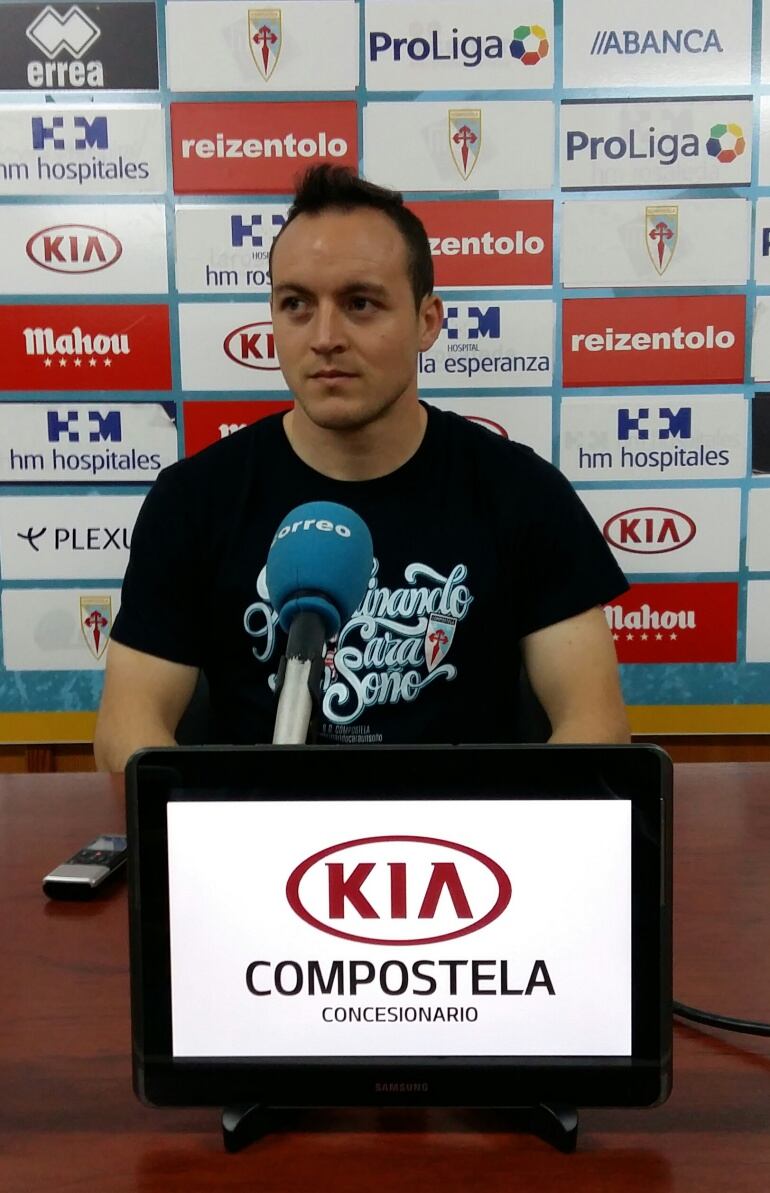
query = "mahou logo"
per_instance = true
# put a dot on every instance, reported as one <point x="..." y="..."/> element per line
<point x="209" y="422"/>
<point x="675" y="623"/>
<point x="649" y="531"/>
<point x="398" y="890"/>
<point x="66" y="347"/>
<point x="74" y="248"/>
<point x="253" y="346"/>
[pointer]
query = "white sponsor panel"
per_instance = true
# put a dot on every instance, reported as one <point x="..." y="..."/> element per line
<point x="656" y="143"/>
<point x="486" y="344"/>
<point x="654" y="437"/>
<point x="215" y="45"/>
<point x="561" y="878"/>
<point x="642" y="242"/>
<point x="654" y="43"/>
<point x="228" y="346"/>
<point x="760" y="343"/>
<point x="453" y="45"/>
<point x="758" y="541"/>
<point x="762" y="243"/>
<point x="75" y="442"/>
<point x="66" y="537"/>
<point x="460" y="146"/>
<point x="57" y="629"/>
<point x="669" y="530"/>
<point x="57" y="149"/>
<point x="758" y="622"/>
<point x="224" y="248"/>
<point x="83" y="249"/>
<point x="764" y="141"/>
<point x="522" y="419"/>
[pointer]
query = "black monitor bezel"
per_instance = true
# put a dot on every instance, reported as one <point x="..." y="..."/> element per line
<point x="642" y="774"/>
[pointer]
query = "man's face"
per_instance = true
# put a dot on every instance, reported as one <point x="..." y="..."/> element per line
<point x="346" y="328"/>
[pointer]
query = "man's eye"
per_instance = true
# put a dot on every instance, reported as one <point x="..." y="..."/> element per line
<point x="359" y="303"/>
<point x="292" y="303"/>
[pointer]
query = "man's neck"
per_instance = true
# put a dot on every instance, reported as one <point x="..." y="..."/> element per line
<point x="362" y="453"/>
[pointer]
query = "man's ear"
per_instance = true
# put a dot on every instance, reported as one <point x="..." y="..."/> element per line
<point x="431" y="318"/>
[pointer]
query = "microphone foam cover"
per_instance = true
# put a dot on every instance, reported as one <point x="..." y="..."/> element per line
<point x="320" y="561"/>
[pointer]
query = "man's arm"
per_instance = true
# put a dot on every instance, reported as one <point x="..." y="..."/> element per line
<point x="142" y="703"/>
<point x="573" y="671"/>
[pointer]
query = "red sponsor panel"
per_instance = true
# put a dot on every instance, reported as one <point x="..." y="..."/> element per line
<point x="85" y="347"/>
<point x="675" y="623"/>
<point x="654" y="341"/>
<point x="490" y="242"/>
<point x="208" y="422"/>
<point x="231" y="148"/>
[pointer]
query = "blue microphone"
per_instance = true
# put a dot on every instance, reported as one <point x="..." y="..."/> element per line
<point x="318" y="569"/>
<point x="319" y="562"/>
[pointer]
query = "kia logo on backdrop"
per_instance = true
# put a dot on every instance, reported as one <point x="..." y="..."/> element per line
<point x="398" y="890"/>
<point x="252" y="346"/>
<point x="649" y="531"/>
<point x="74" y="248"/>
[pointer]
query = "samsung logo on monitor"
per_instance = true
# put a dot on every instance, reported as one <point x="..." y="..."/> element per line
<point x="401" y="1087"/>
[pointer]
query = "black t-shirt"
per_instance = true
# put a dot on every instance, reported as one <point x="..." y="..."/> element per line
<point x="477" y="542"/>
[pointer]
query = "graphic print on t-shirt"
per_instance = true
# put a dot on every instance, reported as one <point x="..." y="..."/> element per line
<point x="394" y="645"/>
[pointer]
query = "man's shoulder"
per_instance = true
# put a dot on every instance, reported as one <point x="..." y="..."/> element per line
<point x="226" y="461"/>
<point x="487" y="442"/>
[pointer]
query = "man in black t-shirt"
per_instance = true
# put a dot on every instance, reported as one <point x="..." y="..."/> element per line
<point x="484" y="555"/>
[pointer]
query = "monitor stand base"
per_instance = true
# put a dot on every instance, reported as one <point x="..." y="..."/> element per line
<point x="554" y="1124"/>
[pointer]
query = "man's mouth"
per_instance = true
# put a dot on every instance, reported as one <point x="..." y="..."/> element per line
<point x="330" y="375"/>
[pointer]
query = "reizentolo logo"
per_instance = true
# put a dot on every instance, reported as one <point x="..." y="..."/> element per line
<point x="676" y="339"/>
<point x="64" y="38"/>
<point x="528" y="45"/>
<point x="398" y="890"/>
<point x="724" y="142"/>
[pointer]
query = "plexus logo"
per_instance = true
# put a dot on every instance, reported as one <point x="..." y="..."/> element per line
<point x="398" y="890"/>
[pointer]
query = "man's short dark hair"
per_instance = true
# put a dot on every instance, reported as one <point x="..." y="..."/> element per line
<point x="338" y="188"/>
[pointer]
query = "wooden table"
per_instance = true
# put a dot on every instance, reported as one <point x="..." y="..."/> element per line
<point x="69" y="1120"/>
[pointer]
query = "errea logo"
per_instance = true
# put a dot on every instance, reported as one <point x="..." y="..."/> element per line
<point x="71" y="35"/>
<point x="398" y="890"/>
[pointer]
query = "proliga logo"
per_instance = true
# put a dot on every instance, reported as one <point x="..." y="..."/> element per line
<point x="726" y="142"/>
<point x="530" y="44"/>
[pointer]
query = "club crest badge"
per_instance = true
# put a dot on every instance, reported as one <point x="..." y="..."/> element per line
<point x="661" y="233"/>
<point x="265" y="39"/>
<point x="465" y="138"/>
<point x="96" y="622"/>
<point x="438" y="639"/>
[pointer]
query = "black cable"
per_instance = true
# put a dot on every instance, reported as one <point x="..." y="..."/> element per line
<point x="749" y="1027"/>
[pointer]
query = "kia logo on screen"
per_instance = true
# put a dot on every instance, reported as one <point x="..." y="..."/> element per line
<point x="398" y="890"/>
<point x="253" y="346"/>
<point x="74" y="248"/>
<point x="649" y="530"/>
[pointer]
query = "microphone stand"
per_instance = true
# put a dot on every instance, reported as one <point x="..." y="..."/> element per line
<point x="299" y="680"/>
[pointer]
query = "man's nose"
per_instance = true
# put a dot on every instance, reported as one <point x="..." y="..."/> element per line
<point x="328" y="329"/>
